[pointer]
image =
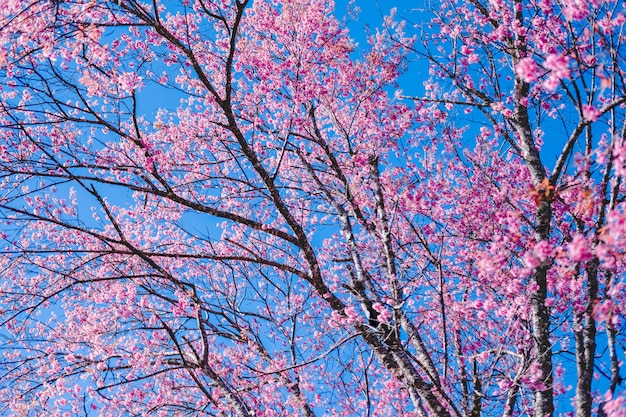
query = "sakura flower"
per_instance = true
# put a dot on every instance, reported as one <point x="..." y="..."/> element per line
<point x="543" y="250"/>
<point x="603" y="310"/>
<point x="530" y="260"/>
<point x="351" y="314"/>
<point x="615" y="407"/>
<point x="559" y="69"/>
<point x="578" y="249"/>
<point x="528" y="70"/>
<point x="558" y="64"/>
<point x="383" y="314"/>
<point x="575" y="10"/>
<point x="129" y="81"/>
<point x="591" y="113"/>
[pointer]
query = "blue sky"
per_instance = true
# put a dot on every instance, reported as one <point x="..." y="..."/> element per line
<point x="369" y="19"/>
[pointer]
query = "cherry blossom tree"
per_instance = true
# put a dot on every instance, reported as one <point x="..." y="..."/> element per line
<point x="220" y="207"/>
<point x="542" y="84"/>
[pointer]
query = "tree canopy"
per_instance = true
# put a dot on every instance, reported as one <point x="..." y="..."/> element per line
<point x="230" y="208"/>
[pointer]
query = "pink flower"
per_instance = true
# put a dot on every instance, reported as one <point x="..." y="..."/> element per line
<point x="543" y="249"/>
<point x="604" y="253"/>
<point x="603" y="310"/>
<point x="129" y="81"/>
<point x="383" y="314"/>
<point x="351" y="314"/>
<point x="530" y="260"/>
<point x="575" y="10"/>
<point x="591" y="113"/>
<point x="335" y="320"/>
<point x="615" y="407"/>
<point x="559" y="69"/>
<point x="578" y="249"/>
<point x="558" y="65"/>
<point x="528" y="70"/>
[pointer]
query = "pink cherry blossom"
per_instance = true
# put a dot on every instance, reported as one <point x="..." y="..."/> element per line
<point x="558" y="66"/>
<point x="528" y="70"/>
<point x="578" y="249"/>
<point x="591" y="113"/>
<point x="575" y="9"/>
<point x="615" y="407"/>
<point x="543" y="250"/>
<point x="249" y="208"/>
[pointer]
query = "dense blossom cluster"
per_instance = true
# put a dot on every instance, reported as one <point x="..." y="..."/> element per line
<point x="222" y="208"/>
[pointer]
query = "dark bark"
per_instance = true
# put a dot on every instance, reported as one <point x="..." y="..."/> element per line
<point x="543" y="397"/>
